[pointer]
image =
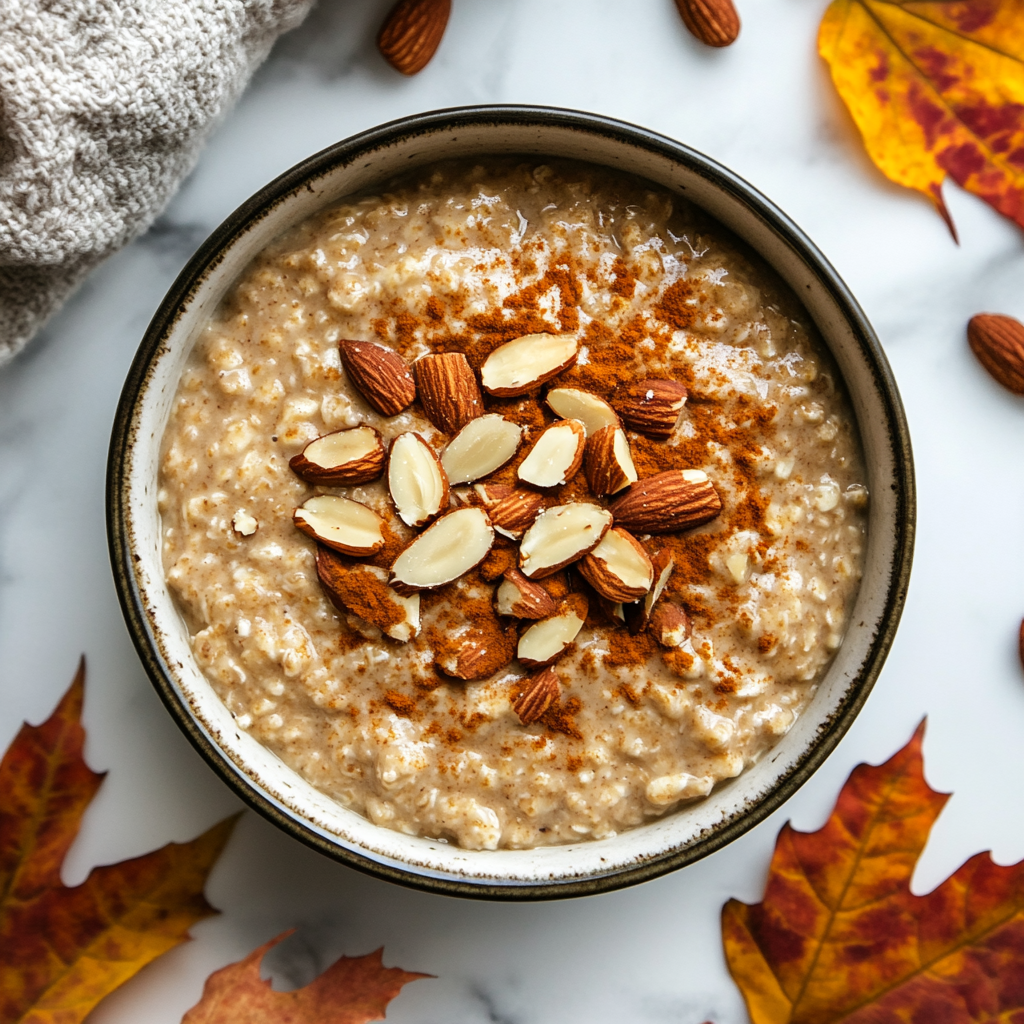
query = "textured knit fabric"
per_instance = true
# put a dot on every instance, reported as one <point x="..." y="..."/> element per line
<point x="104" y="105"/>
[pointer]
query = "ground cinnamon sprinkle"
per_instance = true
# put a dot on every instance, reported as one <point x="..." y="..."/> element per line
<point x="400" y="703"/>
<point x="677" y="306"/>
<point x="625" y="280"/>
<point x="626" y="649"/>
<point x="559" y="717"/>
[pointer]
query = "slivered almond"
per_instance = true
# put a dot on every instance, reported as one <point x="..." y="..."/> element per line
<point x="521" y="365"/>
<point x="379" y="374"/>
<point x="556" y="456"/>
<point x="480" y="447"/>
<point x="678" y="499"/>
<point x="522" y="598"/>
<point x="618" y="568"/>
<point x="650" y="407"/>
<point x="363" y="590"/>
<point x="342" y="524"/>
<point x="609" y="462"/>
<point x="448" y="549"/>
<point x="416" y="480"/>
<point x="547" y="640"/>
<point x="539" y="692"/>
<point x="638" y="614"/>
<point x="670" y="625"/>
<point x="573" y="404"/>
<point x="448" y="390"/>
<point x="341" y="459"/>
<point x="515" y="513"/>
<point x="561" y="535"/>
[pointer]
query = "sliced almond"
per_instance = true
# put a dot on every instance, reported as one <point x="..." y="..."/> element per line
<point x="363" y="590"/>
<point x="618" y="568"/>
<point x="524" y="364"/>
<point x="638" y="614"/>
<point x="678" y="499"/>
<point x="448" y="390"/>
<point x="573" y="404"/>
<point x="650" y="407"/>
<point x="379" y="374"/>
<point x="556" y="456"/>
<point x="480" y="447"/>
<point x="514" y="513"/>
<point x="670" y="625"/>
<point x="538" y="693"/>
<point x="416" y="479"/>
<point x="448" y="549"/>
<point x="547" y="640"/>
<point x="341" y="459"/>
<point x="342" y="524"/>
<point x="609" y="462"/>
<point x="491" y="494"/>
<point x="561" y="535"/>
<point x="522" y="598"/>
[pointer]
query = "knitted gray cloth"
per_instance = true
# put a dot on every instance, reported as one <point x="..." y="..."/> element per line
<point x="104" y="105"/>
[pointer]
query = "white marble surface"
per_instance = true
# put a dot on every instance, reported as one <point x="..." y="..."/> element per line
<point x="764" y="108"/>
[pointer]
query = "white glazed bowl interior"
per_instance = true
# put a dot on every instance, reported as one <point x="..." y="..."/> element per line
<point x="280" y="792"/>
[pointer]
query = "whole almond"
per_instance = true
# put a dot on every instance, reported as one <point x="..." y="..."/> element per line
<point x="379" y="374"/>
<point x="522" y="598"/>
<point x="998" y="342"/>
<point x="713" y="22"/>
<point x="678" y="499"/>
<point x="448" y="390"/>
<point x="539" y="692"/>
<point x="412" y="32"/>
<point x="513" y="514"/>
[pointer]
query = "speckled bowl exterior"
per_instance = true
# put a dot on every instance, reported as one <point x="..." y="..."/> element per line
<point x="280" y="794"/>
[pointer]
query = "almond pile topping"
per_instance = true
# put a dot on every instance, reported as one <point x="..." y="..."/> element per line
<point x="480" y="447"/>
<point x="651" y="407"/>
<point x="998" y="343"/>
<point x="561" y="535"/>
<point x="379" y="374"/>
<point x="515" y="513"/>
<point x="548" y="639"/>
<point x="678" y="499"/>
<point x="638" y="615"/>
<point x="556" y="457"/>
<point x="609" y="462"/>
<point x="346" y="457"/>
<point x="412" y="32"/>
<point x="521" y="365"/>
<point x="522" y="598"/>
<point x="448" y="390"/>
<point x="454" y="544"/>
<point x="418" y="484"/>
<point x="342" y="524"/>
<point x="619" y="568"/>
<point x="573" y="404"/>
<point x="363" y="590"/>
<point x="539" y="692"/>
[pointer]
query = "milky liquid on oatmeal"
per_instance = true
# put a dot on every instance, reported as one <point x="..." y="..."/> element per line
<point x="463" y="257"/>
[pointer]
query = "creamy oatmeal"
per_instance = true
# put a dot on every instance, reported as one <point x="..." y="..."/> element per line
<point x="521" y="702"/>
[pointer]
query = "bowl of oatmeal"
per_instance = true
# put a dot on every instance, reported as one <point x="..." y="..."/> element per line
<point x="511" y="502"/>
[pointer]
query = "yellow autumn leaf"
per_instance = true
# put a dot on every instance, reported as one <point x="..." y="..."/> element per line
<point x="936" y="89"/>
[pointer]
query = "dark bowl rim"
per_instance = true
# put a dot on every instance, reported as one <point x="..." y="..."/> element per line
<point x="348" y="151"/>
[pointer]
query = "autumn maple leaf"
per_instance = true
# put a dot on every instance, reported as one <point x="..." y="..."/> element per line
<point x="353" y="990"/>
<point x="936" y="88"/>
<point x="63" y="949"/>
<point x="839" y="935"/>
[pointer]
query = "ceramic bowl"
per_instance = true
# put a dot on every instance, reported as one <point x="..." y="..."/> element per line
<point x="273" y="789"/>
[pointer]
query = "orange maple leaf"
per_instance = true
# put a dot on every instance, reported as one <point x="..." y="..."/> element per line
<point x="840" y="936"/>
<point x="353" y="990"/>
<point x="63" y="949"/>
<point x="936" y="88"/>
